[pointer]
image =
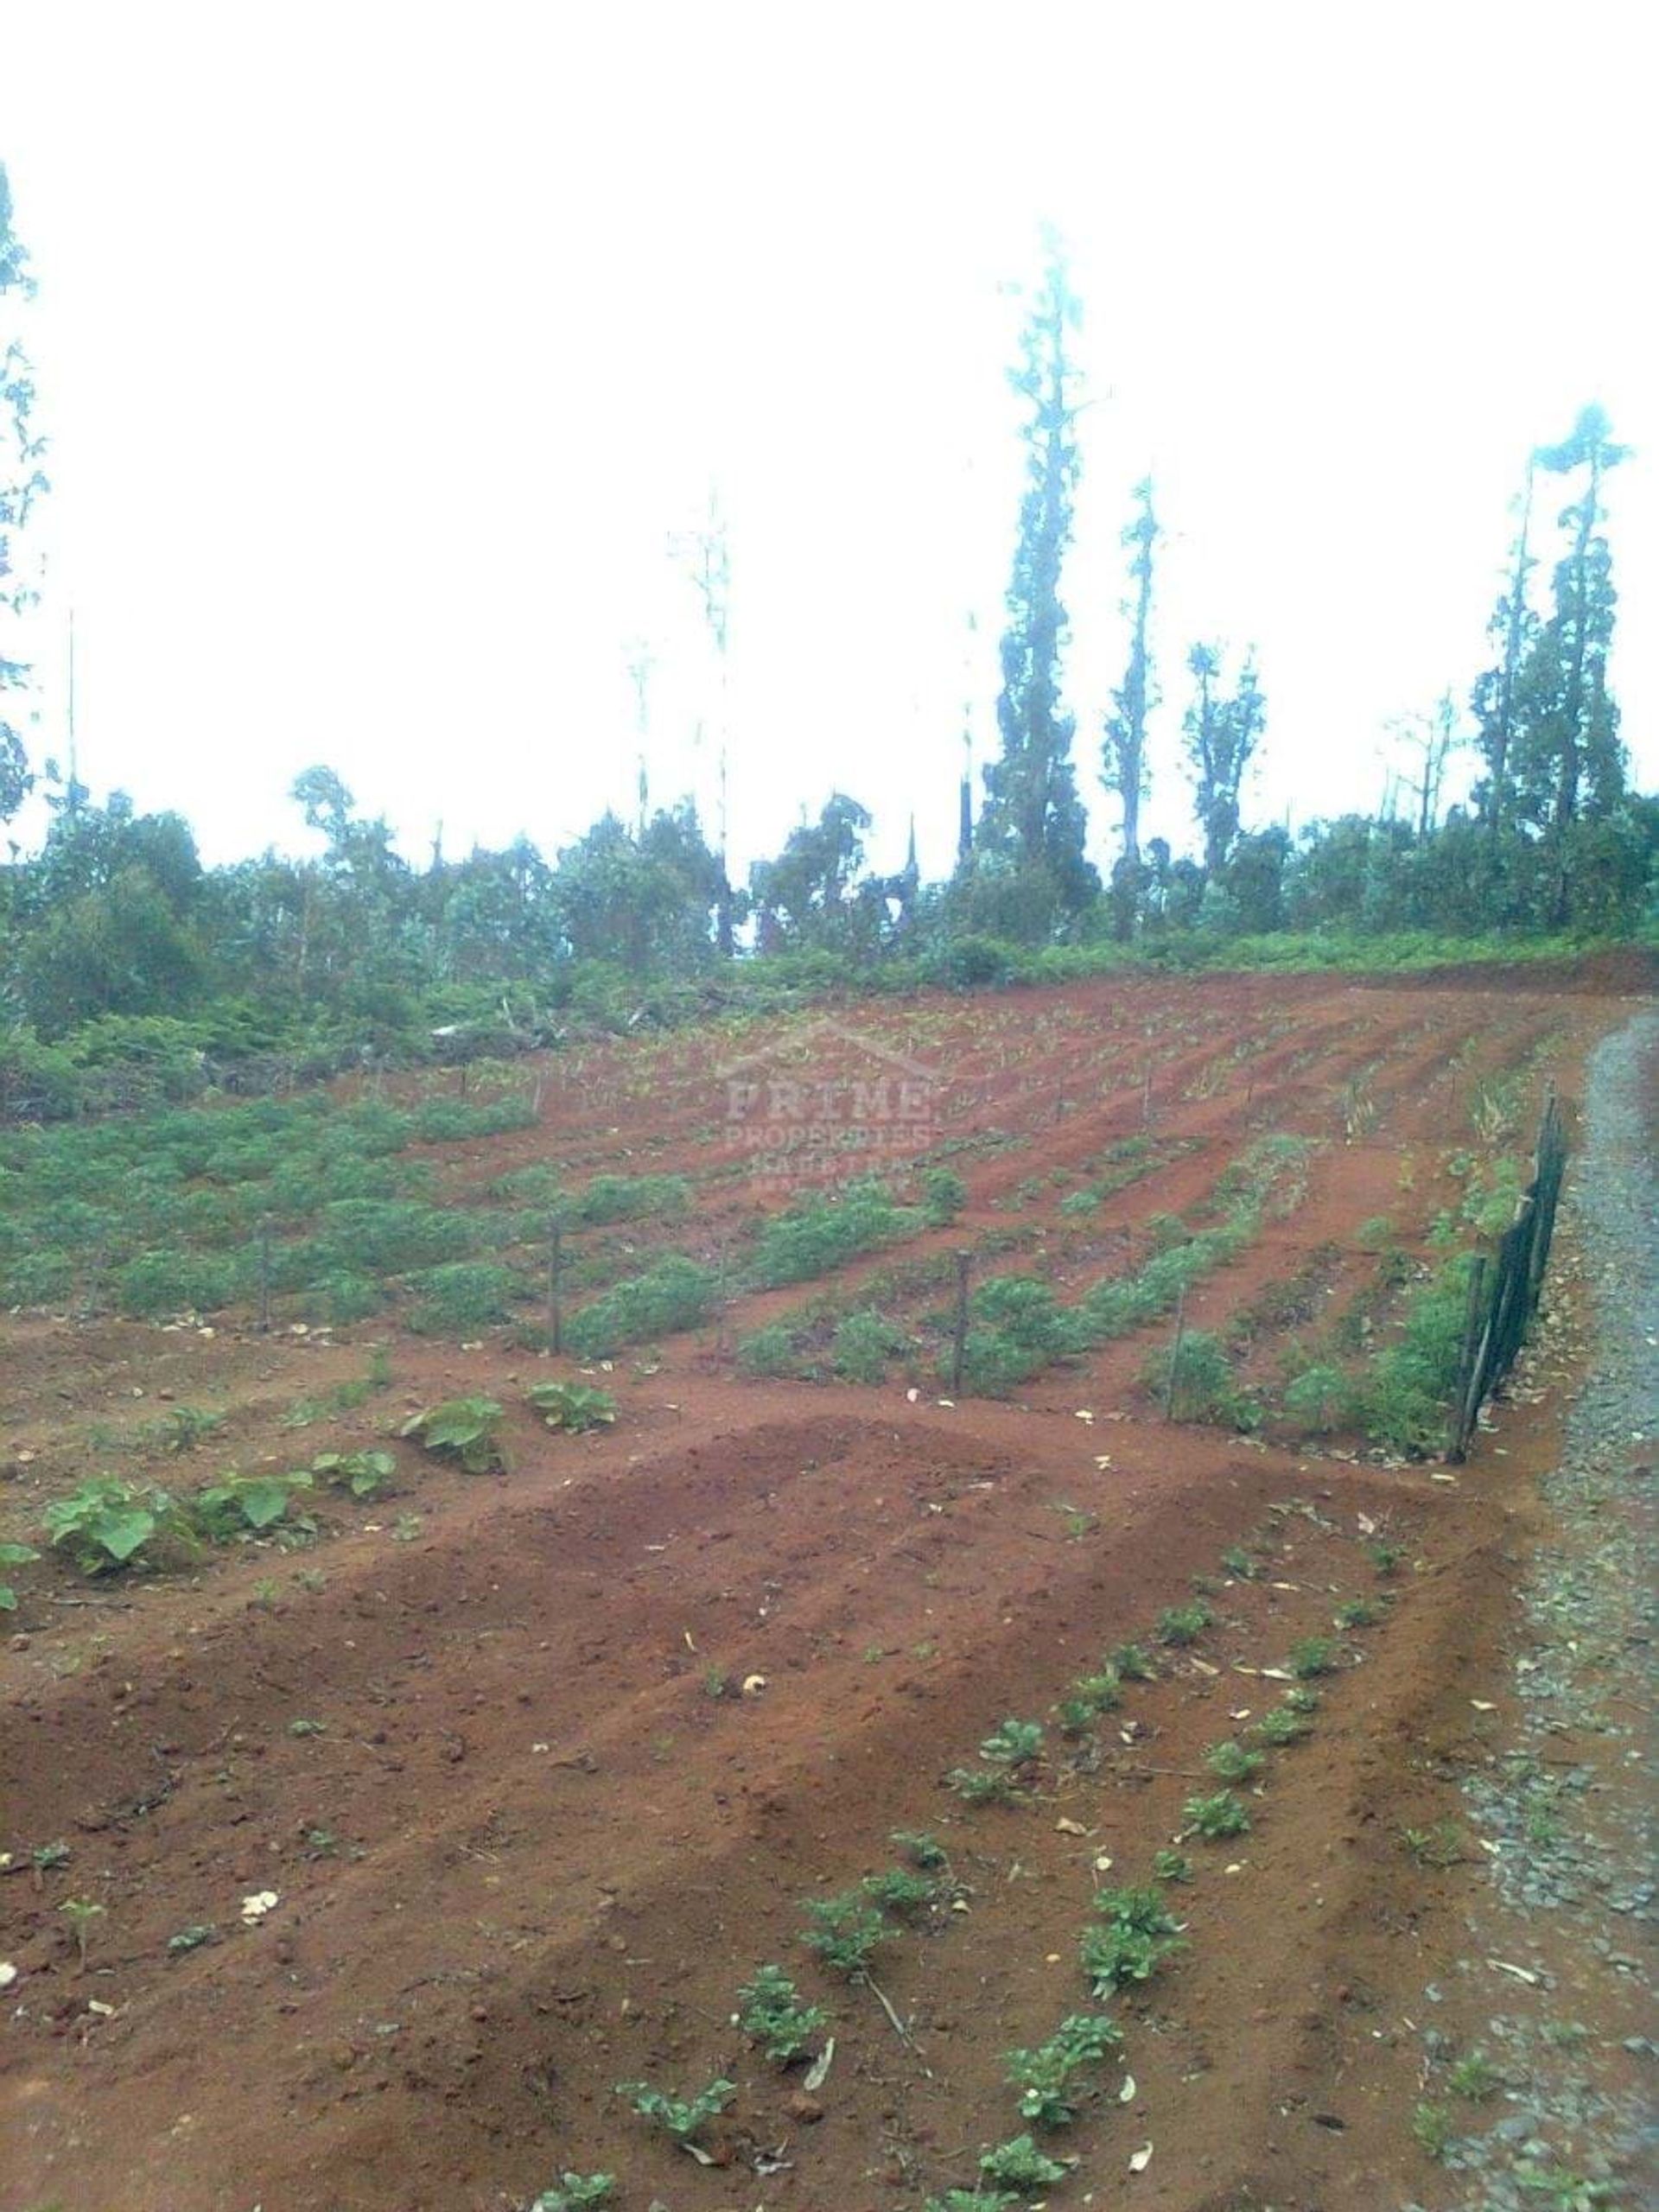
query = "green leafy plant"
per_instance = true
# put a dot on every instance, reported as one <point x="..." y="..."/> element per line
<point x="191" y="1938"/>
<point x="573" y="2190"/>
<point x="1231" y="1761"/>
<point x="1132" y="1662"/>
<point x="573" y="1406"/>
<point x="1302" y="1698"/>
<point x="1385" y="1557"/>
<point x="1101" y="1691"/>
<point x="1216" y="1816"/>
<point x="1279" y="1726"/>
<point x="1313" y="1655"/>
<point x="1043" y="2076"/>
<point x="681" y="2118"/>
<point x="1021" y="2165"/>
<point x="1137" y="1934"/>
<point x="13" y="1555"/>
<point x="365" y="1474"/>
<point x="773" y="2016"/>
<point x="980" y="1785"/>
<point x="1183" y="1624"/>
<point x="921" y="1848"/>
<point x="1359" y="1612"/>
<point x="245" y="1504"/>
<point x="1237" y="1561"/>
<point x="905" y="1895"/>
<point x="973" y="2200"/>
<point x="107" y="1524"/>
<point x="864" y="1345"/>
<point x="81" y="1913"/>
<point x="1014" y="1744"/>
<point x="846" y="1934"/>
<point x="1169" y="1866"/>
<point x="464" y="1429"/>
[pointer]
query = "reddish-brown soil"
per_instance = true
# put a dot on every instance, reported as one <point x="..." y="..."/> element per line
<point x="522" y="1852"/>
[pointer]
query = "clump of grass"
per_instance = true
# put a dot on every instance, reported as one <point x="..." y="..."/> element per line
<point x="1132" y="1662"/>
<point x="1473" y="2077"/>
<point x="1430" y="2125"/>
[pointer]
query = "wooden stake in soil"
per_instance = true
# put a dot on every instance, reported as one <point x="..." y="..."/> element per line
<point x="959" y="1333"/>
<point x="1175" y="1353"/>
<point x="555" y="1304"/>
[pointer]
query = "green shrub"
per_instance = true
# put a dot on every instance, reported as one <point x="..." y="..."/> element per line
<point x="1320" y="1399"/>
<point x="816" y="1234"/>
<point x="160" y="1282"/>
<point x="943" y="1196"/>
<point x="1016" y="1328"/>
<point x="630" y="1198"/>
<point x="674" y="1294"/>
<point x="462" y="1297"/>
<point x="863" y="1343"/>
<point x="770" y="1350"/>
<point x="1203" y="1387"/>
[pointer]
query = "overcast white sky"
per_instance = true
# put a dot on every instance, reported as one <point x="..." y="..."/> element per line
<point x="383" y="346"/>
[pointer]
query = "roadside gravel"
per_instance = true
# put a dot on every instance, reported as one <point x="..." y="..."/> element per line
<point x="1564" y="1810"/>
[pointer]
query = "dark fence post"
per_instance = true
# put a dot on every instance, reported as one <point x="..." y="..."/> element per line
<point x="265" y="1278"/>
<point x="1467" y="1405"/>
<point x="1175" y="1353"/>
<point x="554" y="1305"/>
<point x="959" y="1333"/>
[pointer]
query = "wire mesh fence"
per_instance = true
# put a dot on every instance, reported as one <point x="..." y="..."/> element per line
<point x="1504" y="1290"/>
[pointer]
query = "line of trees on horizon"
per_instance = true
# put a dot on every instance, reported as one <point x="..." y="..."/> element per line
<point x="116" y="916"/>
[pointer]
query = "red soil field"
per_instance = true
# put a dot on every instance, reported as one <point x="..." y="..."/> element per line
<point x="521" y="1850"/>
